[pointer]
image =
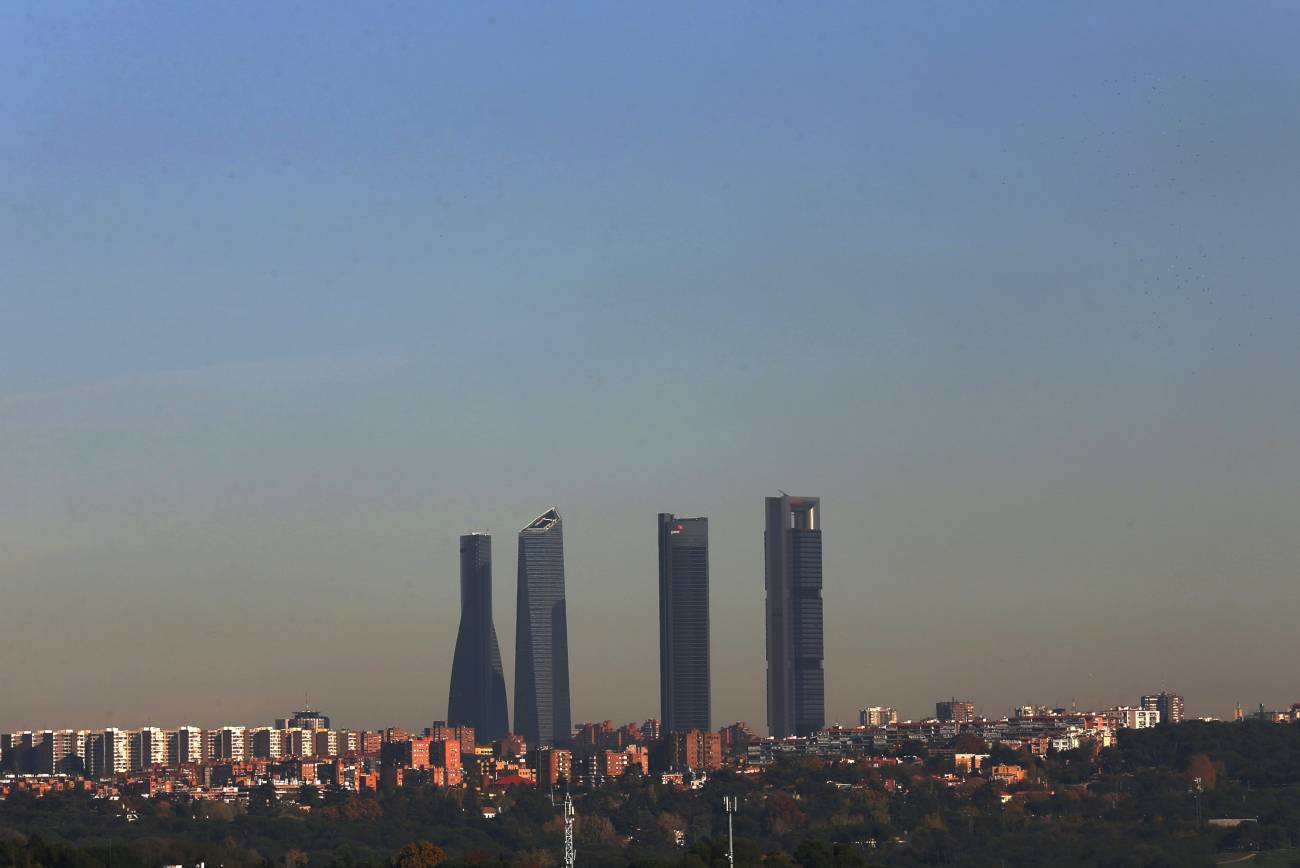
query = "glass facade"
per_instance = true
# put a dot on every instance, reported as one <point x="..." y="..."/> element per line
<point x="478" y="686"/>
<point x="541" y="635"/>
<point x="684" y="623"/>
<point x="792" y="542"/>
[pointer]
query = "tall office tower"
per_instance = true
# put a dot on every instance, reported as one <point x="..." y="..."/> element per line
<point x="684" y="622"/>
<point x="792" y="543"/>
<point x="1170" y="706"/>
<point x="542" y="635"/>
<point x="478" y="686"/>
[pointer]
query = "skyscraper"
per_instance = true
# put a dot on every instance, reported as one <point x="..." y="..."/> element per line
<point x="542" y="635"/>
<point x="478" y="685"/>
<point x="796" y="700"/>
<point x="684" y="622"/>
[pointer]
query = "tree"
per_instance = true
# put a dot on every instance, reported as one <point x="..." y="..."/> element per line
<point x="419" y="854"/>
<point x="594" y="830"/>
<point x="814" y="853"/>
<point x="783" y="814"/>
<point x="1200" y="766"/>
<point x="262" y="799"/>
<point x="536" y="859"/>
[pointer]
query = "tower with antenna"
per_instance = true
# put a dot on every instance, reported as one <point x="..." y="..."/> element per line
<point x="729" y="805"/>
<point x="570" y="854"/>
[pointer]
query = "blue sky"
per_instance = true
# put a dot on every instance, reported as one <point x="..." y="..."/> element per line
<point x="293" y="294"/>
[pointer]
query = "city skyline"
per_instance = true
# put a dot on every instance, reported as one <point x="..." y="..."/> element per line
<point x="794" y="514"/>
<point x="295" y="295"/>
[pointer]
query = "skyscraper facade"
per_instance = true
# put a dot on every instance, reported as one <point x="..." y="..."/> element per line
<point x="542" y="635"/>
<point x="478" y="685"/>
<point x="684" y="623"/>
<point x="792" y="543"/>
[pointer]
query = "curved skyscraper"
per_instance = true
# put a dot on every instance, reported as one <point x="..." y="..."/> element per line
<point x="478" y="687"/>
<point x="542" y="635"/>
<point x="796" y="700"/>
<point x="684" y="622"/>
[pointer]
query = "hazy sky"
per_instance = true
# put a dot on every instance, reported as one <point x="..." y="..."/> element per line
<point x="291" y="295"/>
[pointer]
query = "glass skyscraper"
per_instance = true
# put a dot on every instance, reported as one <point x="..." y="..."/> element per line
<point x="684" y="623"/>
<point x="478" y="686"/>
<point x="542" y="635"/>
<point x="796" y="693"/>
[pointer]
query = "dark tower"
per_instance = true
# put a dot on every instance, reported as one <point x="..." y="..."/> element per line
<point x="684" y="623"/>
<point x="542" y="635"/>
<point x="478" y="687"/>
<point x="796" y="700"/>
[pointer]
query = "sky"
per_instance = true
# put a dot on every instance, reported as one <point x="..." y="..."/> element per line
<point x="293" y="294"/>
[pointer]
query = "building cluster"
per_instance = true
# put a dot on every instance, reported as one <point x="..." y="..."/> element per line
<point x="477" y="748"/>
<point x="1038" y="729"/>
<point x="229" y="762"/>
<point x="796" y="702"/>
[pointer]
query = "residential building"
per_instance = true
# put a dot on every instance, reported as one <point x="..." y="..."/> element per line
<point x="736" y="738"/>
<point x="298" y="742"/>
<point x="112" y="753"/>
<point x="148" y="748"/>
<point x="468" y="739"/>
<point x="956" y="710"/>
<point x="877" y="716"/>
<point x="1008" y="774"/>
<point x="447" y="754"/>
<point x="1127" y="717"/>
<point x="1170" y="706"/>
<point x="266" y="742"/>
<point x="230" y="743"/>
<point x="694" y="750"/>
<point x="326" y="742"/>
<point x="187" y="747"/>
<point x="554" y="766"/>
